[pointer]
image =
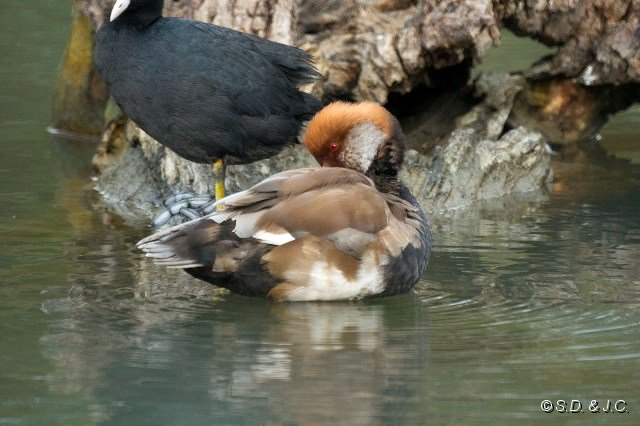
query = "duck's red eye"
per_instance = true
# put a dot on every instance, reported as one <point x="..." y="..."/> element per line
<point x="334" y="147"/>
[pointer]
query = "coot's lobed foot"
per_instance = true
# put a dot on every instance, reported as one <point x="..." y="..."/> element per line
<point x="190" y="214"/>
<point x="182" y="208"/>
<point x="210" y="207"/>
<point x="176" y="198"/>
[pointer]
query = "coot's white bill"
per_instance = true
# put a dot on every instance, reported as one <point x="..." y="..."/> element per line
<point x="118" y="8"/>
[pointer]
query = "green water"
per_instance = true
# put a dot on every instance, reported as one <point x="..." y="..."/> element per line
<point x="527" y="298"/>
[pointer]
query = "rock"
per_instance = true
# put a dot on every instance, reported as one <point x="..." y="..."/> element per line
<point x="479" y="160"/>
<point x="140" y="176"/>
<point x="471" y="169"/>
<point x="136" y="180"/>
<point x="129" y="186"/>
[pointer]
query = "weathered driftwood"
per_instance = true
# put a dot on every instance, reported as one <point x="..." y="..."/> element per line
<point x="369" y="48"/>
<point x="478" y="160"/>
<point x="597" y="39"/>
<point x="375" y="49"/>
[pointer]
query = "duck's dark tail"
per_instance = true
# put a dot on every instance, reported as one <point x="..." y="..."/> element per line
<point x="212" y="252"/>
<point x="190" y="245"/>
<point x="203" y="243"/>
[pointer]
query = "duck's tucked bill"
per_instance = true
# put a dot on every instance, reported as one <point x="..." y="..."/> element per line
<point x="347" y="230"/>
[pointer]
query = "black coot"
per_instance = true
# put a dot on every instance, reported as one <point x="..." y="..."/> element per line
<point x="206" y="92"/>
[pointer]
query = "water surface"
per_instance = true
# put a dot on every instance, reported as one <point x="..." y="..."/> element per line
<point x="526" y="298"/>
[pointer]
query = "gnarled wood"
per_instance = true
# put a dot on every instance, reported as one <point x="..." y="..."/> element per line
<point x="371" y="49"/>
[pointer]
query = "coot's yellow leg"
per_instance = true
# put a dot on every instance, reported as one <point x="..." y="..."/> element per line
<point x="218" y="174"/>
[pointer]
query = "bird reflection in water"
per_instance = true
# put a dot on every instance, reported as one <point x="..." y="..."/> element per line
<point x="232" y="357"/>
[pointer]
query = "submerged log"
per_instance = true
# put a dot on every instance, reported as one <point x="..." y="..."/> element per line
<point x="567" y="112"/>
<point x="490" y="143"/>
<point x="79" y="95"/>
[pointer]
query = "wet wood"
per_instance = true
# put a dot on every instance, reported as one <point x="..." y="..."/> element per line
<point x="79" y="95"/>
<point x="368" y="49"/>
<point x="384" y="50"/>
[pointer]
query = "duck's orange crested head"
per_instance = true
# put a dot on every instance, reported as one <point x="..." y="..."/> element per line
<point x="354" y="135"/>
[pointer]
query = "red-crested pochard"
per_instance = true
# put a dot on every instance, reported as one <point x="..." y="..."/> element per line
<point x="347" y="230"/>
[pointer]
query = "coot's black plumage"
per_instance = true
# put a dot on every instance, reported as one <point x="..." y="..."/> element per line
<point x="206" y="92"/>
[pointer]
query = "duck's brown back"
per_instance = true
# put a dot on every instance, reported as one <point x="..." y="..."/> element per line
<point x="308" y="234"/>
